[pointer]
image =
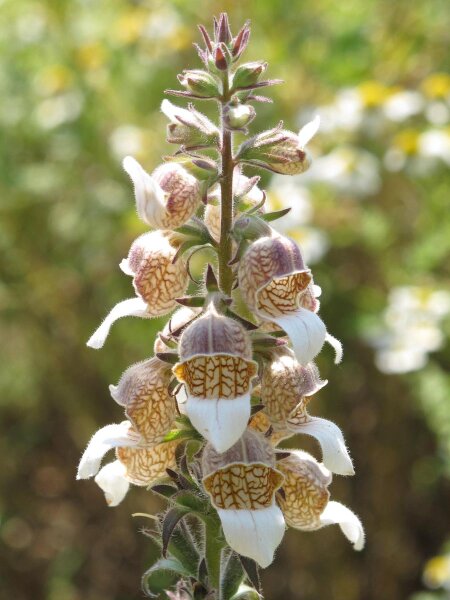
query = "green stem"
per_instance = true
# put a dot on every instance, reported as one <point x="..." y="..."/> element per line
<point x="213" y="553"/>
<point x="226" y="204"/>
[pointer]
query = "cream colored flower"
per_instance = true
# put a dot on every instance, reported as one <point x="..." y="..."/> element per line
<point x="156" y="280"/>
<point x="217" y="368"/>
<point x="305" y="502"/>
<point x="241" y="484"/>
<point x="286" y="389"/>
<point x="276" y="284"/>
<point x="166" y="199"/>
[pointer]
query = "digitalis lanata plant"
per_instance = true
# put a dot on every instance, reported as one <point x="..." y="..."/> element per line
<point x="232" y="374"/>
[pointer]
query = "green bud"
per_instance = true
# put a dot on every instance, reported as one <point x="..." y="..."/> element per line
<point x="238" y="116"/>
<point x="200" y="83"/>
<point x="250" y="227"/>
<point x="248" y="74"/>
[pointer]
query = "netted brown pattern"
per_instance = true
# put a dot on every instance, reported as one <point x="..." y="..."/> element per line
<point x="178" y="320"/>
<point x="243" y="486"/>
<point x="212" y="220"/>
<point x="214" y="377"/>
<point x="215" y="334"/>
<point x="272" y="258"/>
<point x="157" y="280"/>
<point x="146" y="465"/>
<point x="305" y="492"/>
<point x="183" y="194"/>
<point x="282" y="295"/>
<point x="142" y="390"/>
<point x="285" y="384"/>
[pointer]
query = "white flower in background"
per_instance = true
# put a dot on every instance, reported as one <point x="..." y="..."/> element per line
<point x="412" y="329"/>
<point x="127" y="139"/>
<point x="55" y="111"/>
<point x="348" y="169"/>
<point x="345" y="113"/>
<point x="437" y="113"/>
<point x="403" y="105"/>
<point x="435" y="143"/>
<point x="291" y="194"/>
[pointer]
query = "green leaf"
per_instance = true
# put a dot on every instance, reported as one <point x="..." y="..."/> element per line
<point x="251" y="568"/>
<point x="191" y="501"/>
<point x="183" y="547"/>
<point x="232" y="575"/>
<point x="170" y="521"/>
<point x="167" y="491"/>
<point x="246" y="593"/>
<point x="277" y="214"/>
<point x="162" y="575"/>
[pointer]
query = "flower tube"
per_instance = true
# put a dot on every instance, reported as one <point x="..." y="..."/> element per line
<point x="241" y="484"/>
<point x="276" y="284"/>
<point x="217" y="367"/>
<point x="157" y="280"/>
<point x="166" y="199"/>
<point x="305" y="502"/>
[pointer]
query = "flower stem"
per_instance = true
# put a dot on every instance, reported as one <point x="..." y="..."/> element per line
<point x="213" y="553"/>
<point x="226" y="204"/>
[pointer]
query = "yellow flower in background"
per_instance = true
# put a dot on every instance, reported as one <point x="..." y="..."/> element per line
<point x="373" y="93"/>
<point x="407" y="141"/>
<point x="91" y="56"/>
<point x="53" y="79"/>
<point x="436" y="85"/>
<point x="129" y="26"/>
<point x="437" y="572"/>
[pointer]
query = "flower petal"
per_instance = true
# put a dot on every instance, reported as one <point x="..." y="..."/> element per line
<point x="306" y="331"/>
<point x="176" y="114"/>
<point x="308" y="131"/>
<point x="335" y="455"/>
<point x="111" y="436"/>
<point x="222" y="421"/>
<point x="254" y="533"/>
<point x="351" y="526"/>
<point x="150" y="197"/>
<point x="124" y="266"/>
<point x="133" y="307"/>
<point x="337" y="347"/>
<point x="111" y="479"/>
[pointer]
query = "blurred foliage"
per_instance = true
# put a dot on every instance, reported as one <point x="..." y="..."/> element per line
<point x="80" y="83"/>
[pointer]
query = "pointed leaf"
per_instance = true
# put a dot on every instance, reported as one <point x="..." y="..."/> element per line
<point x="167" y="491"/>
<point x="232" y="575"/>
<point x="170" y="521"/>
<point x="277" y="214"/>
<point x="162" y="575"/>
<point x="251" y="568"/>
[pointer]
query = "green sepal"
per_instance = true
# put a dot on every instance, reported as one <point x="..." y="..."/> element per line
<point x="169" y="357"/>
<point x="165" y="490"/>
<point x="170" y="521"/>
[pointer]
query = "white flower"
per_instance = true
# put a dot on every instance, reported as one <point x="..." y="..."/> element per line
<point x="403" y="105"/>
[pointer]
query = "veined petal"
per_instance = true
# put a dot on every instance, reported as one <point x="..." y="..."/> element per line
<point x="111" y="479"/>
<point x="254" y="533"/>
<point x="351" y="526"/>
<point x="133" y="307"/>
<point x="221" y="421"/>
<point x="337" y="347"/>
<point x="306" y="331"/>
<point x="335" y="455"/>
<point x="150" y="197"/>
<point x="308" y="131"/>
<point x="111" y="436"/>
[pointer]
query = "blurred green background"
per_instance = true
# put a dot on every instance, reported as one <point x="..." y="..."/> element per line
<point x="81" y="82"/>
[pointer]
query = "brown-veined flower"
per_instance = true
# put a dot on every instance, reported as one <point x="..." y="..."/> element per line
<point x="286" y="389"/>
<point x="305" y="499"/>
<point x="141" y="454"/>
<point x="217" y="369"/>
<point x="277" y="286"/>
<point x="167" y="198"/>
<point x="157" y="281"/>
<point x="241" y="483"/>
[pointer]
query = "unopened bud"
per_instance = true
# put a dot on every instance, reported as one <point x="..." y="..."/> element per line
<point x="200" y="83"/>
<point x="238" y="116"/>
<point x="279" y="150"/>
<point x="221" y="56"/>
<point x="248" y="74"/>
<point x="189" y="127"/>
<point x="250" y="227"/>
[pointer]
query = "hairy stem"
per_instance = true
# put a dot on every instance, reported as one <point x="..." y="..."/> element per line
<point x="213" y="554"/>
<point x="226" y="205"/>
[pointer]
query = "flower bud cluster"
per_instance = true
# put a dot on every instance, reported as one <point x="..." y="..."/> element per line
<point x="241" y="385"/>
